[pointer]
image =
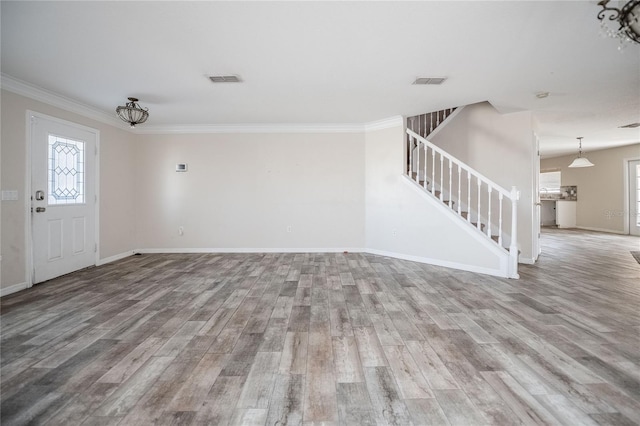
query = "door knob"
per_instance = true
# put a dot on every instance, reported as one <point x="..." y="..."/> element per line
<point x="40" y="209"/>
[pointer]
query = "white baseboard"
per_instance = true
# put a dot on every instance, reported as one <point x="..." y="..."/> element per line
<point x="438" y="262"/>
<point x="248" y="250"/>
<point x="526" y="260"/>
<point x="12" y="289"/>
<point x="115" y="257"/>
<point x="609" y="231"/>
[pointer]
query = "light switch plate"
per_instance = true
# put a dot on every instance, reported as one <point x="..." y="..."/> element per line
<point x="9" y="195"/>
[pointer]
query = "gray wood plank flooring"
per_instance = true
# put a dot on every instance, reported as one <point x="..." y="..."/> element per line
<point x="353" y="339"/>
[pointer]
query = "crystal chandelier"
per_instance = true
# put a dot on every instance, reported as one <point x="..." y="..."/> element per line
<point x="132" y="113"/>
<point x="581" y="161"/>
<point x="627" y="19"/>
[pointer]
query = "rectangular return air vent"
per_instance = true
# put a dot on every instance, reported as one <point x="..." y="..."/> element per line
<point x="430" y="80"/>
<point x="225" y="78"/>
<point x="630" y="126"/>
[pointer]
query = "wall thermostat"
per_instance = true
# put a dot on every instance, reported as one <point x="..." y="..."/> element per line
<point x="181" y="167"/>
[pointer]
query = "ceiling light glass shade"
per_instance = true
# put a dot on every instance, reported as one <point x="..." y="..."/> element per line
<point x="581" y="162"/>
<point x="132" y="113"/>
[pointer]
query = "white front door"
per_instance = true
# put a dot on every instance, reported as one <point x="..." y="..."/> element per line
<point x="634" y="197"/>
<point x="63" y="197"/>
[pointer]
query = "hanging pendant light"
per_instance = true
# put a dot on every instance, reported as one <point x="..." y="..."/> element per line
<point x="132" y="113"/>
<point x="581" y="161"/>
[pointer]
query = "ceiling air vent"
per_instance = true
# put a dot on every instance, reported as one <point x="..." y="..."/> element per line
<point x="430" y="80"/>
<point x="225" y="78"/>
<point x="630" y="126"/>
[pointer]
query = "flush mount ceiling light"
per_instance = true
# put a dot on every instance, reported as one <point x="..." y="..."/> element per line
<point x="627" y="19"/>
<point x="542" y="95"/>
<point x="132" y="113"/>
<point x="581" y="161"/>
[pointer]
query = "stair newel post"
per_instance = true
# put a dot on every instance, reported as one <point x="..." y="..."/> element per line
<point x="459" y="190"/>
<point x="441" y="175"/>
<point x="450" y="183"/>
<point x="424" y="175"/>
<point x="479" y="196"/>
<point x="500" y="196"/>
<point x="489" y="210"/>
<point x="433" y="171"/>
<point x="513" y="247"/>
<point x="468" y="196"/>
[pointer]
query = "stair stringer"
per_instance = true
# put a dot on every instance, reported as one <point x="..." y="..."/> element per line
<point x="424" y="217"/>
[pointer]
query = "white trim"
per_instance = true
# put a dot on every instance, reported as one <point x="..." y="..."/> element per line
<point x="250" y="128"/>
<point x="502" y="253"/>
<point x="385" y="123"/>
<point x="27" y="204"/>
<point x="247" y="250"/>
<point x="626" y="197"/>
<point x="589" y="228"/>
<point x="13" y="288"/>
<point x="48" y="97"/>
<point x="526" y="260"/>
<point x="115" y="257"/>
<point x="30" y="272"/>
<point x="436" y="262"/>
<point x="439" y="262"/>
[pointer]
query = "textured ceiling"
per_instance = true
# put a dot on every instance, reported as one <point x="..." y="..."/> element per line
<point x="332" y="62"/>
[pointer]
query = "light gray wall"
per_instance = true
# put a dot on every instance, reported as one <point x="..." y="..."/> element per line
<point x="601" y="189"/>
<point x="242" y="191"/>
<point x="116" y="184"/>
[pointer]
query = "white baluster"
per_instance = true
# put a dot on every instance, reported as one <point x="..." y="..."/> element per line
<point x="513" y="247"/>
<point x="433" y="171"/>
<point x="441" y="175"/>
<point x="489" y="211"/>
<point x="459" y="190"/>
<point x="468" y="196"/>
<point x="479" y="193"/>
<point x="500" y="220"/>
<point x="411" y="156"/>
<point x="431" y="122"/>
<point x="424" y="175"/>
<point x="424" y="125"/>
<point x="450" y="183"/>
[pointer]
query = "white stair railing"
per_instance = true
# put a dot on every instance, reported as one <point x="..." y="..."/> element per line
<point x="422" y="166"/>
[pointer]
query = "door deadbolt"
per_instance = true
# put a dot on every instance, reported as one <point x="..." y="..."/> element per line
<point x="39" y="195"/>
<point x="40" y="209"/>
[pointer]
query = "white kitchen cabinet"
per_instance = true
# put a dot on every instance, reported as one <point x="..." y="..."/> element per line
<point x="566" y="214"/>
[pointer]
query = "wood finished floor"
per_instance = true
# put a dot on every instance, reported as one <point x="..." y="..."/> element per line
<point x="329" y="338"/>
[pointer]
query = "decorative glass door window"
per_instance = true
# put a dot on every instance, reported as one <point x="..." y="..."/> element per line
<point x="66" y="171"/>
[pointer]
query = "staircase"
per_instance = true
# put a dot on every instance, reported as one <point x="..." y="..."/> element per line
<point x="482" y="206"/>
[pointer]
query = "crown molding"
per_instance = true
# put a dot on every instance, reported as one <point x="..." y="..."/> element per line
<point x="48" y="97"/>
<point x="385" y="123"/>
<point x="251" y="128"/>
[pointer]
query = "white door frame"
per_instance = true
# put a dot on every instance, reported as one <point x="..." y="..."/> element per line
<point x="536" y="247"/>
<point x="28" y="230"/>
<point x="627" y="207"/>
